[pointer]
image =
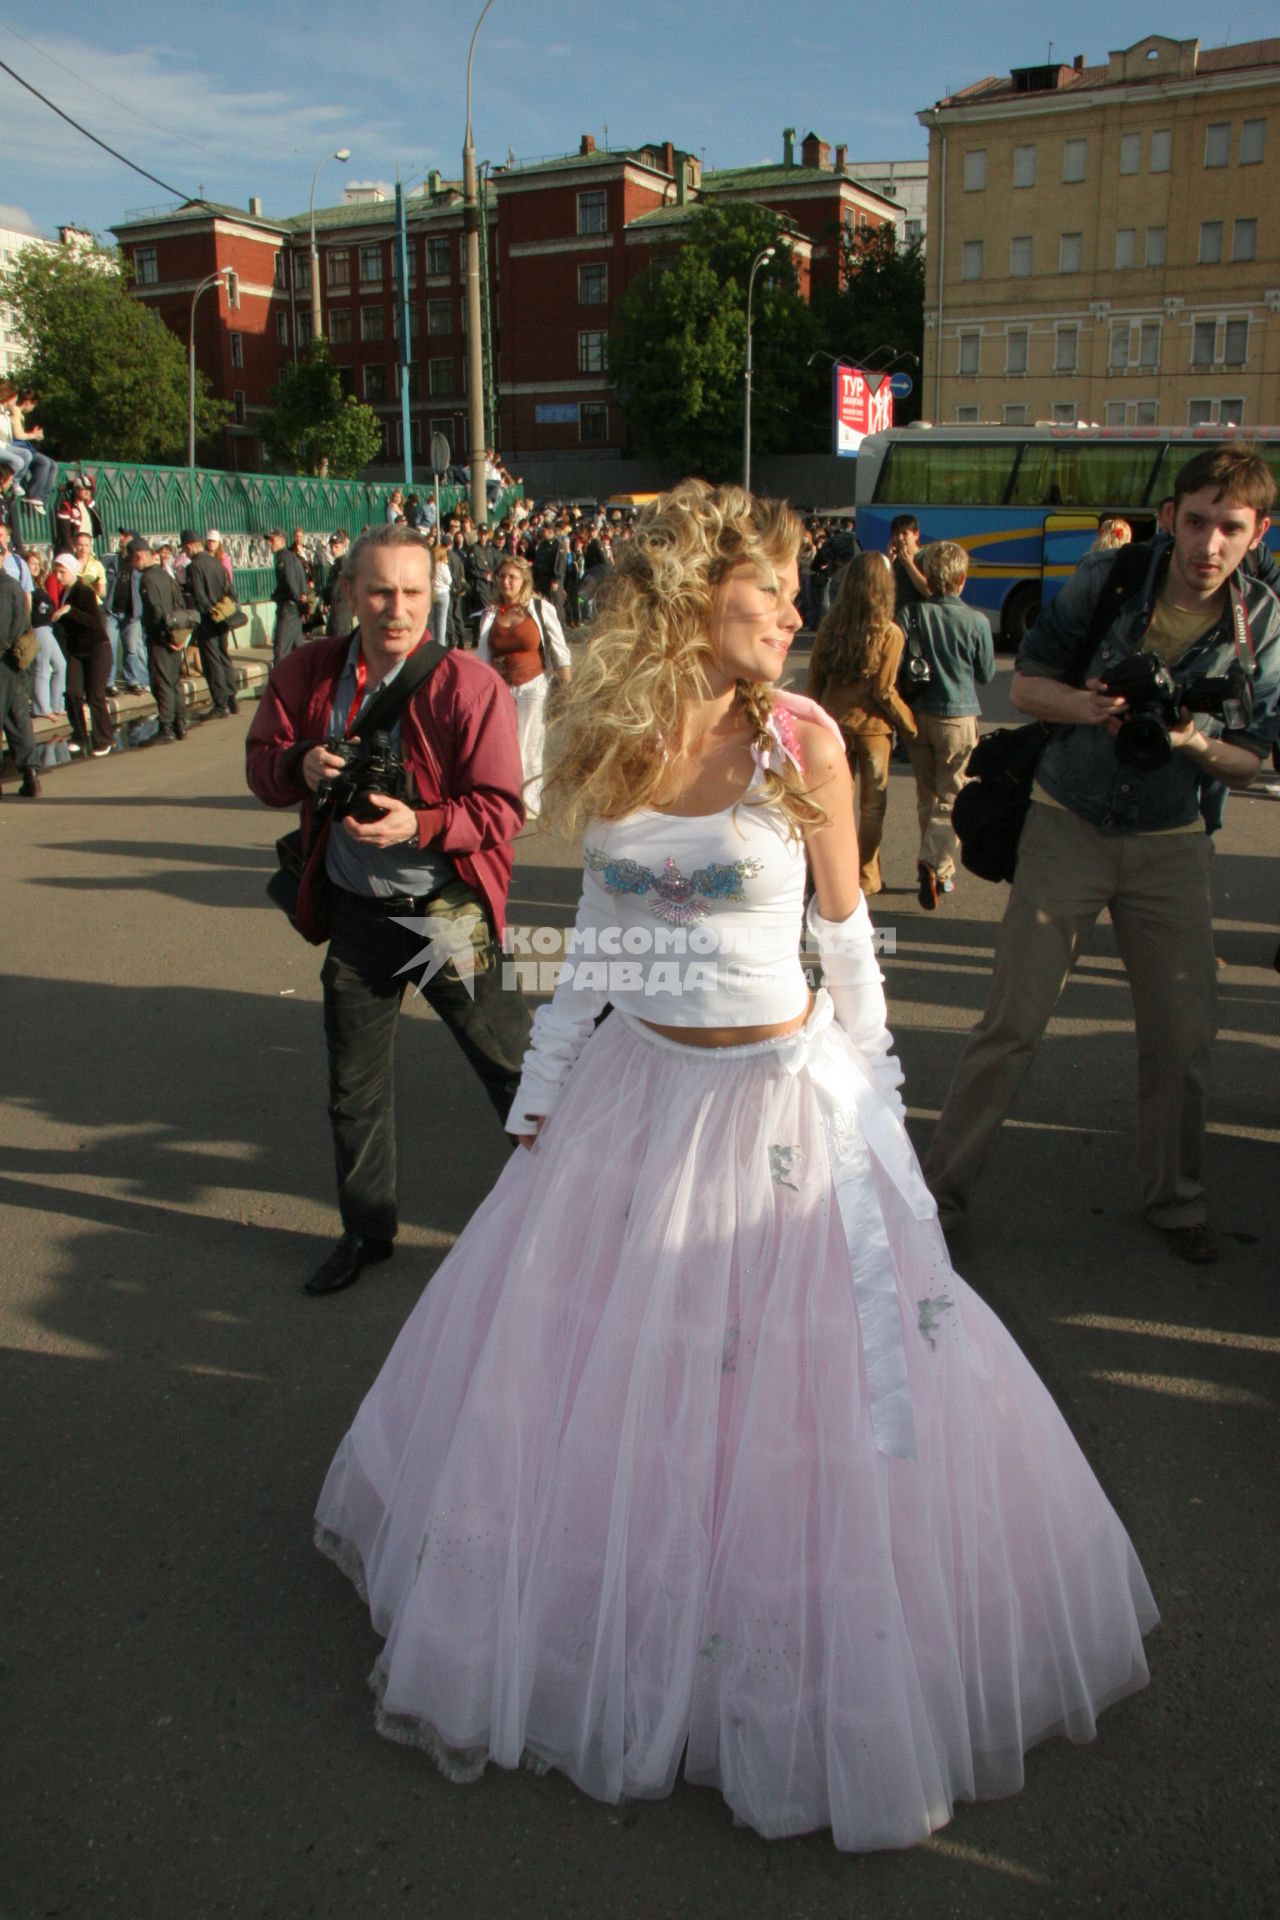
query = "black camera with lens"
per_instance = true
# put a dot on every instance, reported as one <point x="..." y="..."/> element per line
<point x="369" y="766"/>
<point x="1155" y="702"/>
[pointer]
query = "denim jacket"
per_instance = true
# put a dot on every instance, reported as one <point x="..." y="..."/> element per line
<point x="1079" y="767"/>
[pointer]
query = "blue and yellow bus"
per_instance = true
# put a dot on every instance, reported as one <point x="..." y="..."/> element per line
<point x="1026" y="502"/>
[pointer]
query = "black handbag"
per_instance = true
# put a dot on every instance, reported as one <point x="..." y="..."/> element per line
<point x="915" y="672"/>
<point x="293" y="850"/>
<point x="991" y="810"/>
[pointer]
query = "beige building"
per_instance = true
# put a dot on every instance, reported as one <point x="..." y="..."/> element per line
<point x="1103" y="246"/>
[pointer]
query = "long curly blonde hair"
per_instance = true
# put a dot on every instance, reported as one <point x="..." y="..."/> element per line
<point x="628" y="705"/>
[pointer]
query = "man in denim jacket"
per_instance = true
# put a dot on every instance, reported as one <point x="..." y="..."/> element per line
<point x="1103" y="834"/>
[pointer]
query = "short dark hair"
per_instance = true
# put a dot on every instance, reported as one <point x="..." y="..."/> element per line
<point x="903" y="523"/>
<point x="276" y="533"/>
<point x="1234" y="471"/>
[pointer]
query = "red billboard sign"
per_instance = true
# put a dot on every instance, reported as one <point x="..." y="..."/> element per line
<point x="863" y="404"/>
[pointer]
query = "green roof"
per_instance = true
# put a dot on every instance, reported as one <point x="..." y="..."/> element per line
<point x="567" y="161"/>
<point x="726" y="178"/>
<point x="349" y="214"/>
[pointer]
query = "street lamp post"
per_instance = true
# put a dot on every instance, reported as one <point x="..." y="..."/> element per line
<point x="475" y="340"/>
<point x="317" y="324"/>
<point x="223" y="273"/>
<point x="766" y="253"/>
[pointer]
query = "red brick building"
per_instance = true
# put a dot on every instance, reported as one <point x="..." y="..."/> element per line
<point x="562" y="240"/>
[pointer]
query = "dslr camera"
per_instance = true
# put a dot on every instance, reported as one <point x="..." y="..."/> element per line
<point x="369" y="766"/>
<point x="1156" y="698"/>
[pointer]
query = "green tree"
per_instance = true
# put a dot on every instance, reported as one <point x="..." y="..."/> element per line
<point x="677" y="347"/>
<point x="314" y="427"/>
<point x="880" y="304"/>
<point x="110" y="378"/>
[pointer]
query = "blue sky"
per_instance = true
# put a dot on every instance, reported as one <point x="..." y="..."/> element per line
<point x="249" y="98"/>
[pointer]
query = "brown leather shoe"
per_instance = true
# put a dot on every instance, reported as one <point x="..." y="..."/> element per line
<point x="1197" y="1244"/>
<point x="343" y="1267"/>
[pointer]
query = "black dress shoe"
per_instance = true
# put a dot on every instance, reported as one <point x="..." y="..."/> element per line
<point x="233" y="705"/>
<point x="342" y="1268"/>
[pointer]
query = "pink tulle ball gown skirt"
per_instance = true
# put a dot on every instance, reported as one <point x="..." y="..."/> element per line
<point x="696" y="1452"/>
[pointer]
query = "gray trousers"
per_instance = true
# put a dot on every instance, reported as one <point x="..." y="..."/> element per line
<point x="15" y="713"/>
<point x="288" y="633"/>
<point x="1157" y="888"/>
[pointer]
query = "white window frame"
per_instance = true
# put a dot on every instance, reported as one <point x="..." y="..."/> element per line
<point x="373" y="324"/>
<point x="371" y="258"/>
<point x="593" y="201"/>
<point x="337" y="269"/>
<point x="595" y="299"/>
<point x="441" y="375"/>
<point x="146" y="267"/>
<point x="339" y="326"/>
<point x="593" y="345"/>
<point x="593" y="408"/>
<point x="437" y="243"/>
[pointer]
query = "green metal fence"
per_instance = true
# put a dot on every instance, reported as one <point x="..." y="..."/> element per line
<point x="159" y="502"/>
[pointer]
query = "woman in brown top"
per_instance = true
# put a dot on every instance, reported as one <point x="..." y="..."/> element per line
<point x="853" y="674"/>
<point x="520" y="635"/>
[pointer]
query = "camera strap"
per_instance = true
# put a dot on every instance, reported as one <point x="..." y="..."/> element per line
<point x="389" y="702"/>
<point x="1241" y="635"/>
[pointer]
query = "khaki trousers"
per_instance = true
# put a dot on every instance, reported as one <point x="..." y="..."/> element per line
<point x="939" y="754"/>
<point x="868" y="755"/>
<point x="1157" y="888"/>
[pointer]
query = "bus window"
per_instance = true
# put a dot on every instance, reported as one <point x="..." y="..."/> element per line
<point x="1177" y="456"/>
<point x="944" y="474"/>
<point x="1083" y="474"/>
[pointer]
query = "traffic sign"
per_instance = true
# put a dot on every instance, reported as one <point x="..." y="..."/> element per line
<point x="901" y="385"/>
<point x="440" y="453"/>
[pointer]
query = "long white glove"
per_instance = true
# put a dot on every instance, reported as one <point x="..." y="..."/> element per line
<point x="562" y="1027"/>
<point x="851" y="973"/>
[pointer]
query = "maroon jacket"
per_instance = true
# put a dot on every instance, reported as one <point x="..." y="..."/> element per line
<point x="457" y="736"/>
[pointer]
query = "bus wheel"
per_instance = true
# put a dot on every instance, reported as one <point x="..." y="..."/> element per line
<point x="1020" y="611"/>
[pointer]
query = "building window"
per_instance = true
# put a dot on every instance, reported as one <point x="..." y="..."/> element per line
<point x="1020" y="256"/>
<point x="340" y="326"/>
<point x="1210" y="242"/>
<point x="1161" y="150"/>
<point x="970" y="349"/>
<point x="337" y="266"/>
<point x="1066" y="349"/>
<point x="282" y="327"/>
<point x="1064" y="414"/>
<point x="966" y="416"/>
<point x="593" y="286"/>
<point x="1118" y="356"/>
<point x="971" y="260"/>
<point x="233" y="288"/>
<point x="303" y="324"/>
<point x="146" y="267"/>
<point x="1015" y="416"/>
<point x="1015" y="349"/>
<point x="439" y="316"/>
<point x="1149" y="345"/>
<point x="591" y="352"/>
<point x="1235" y="346"/>
<point x="1071" y="253"/>
<point x="375" y="383"/>
<point x="278" y="278"/>
<point x="373" y="323"/>
<point x="1215" y="413"/>
<point x="1024" y="166"/>
<point x="1125" y="246"/>
<point x="371" y="266"/>
<point x="1146" y="413"/>
<point x="237" y="349"/>
<point x="975" y="170"/>
<point x="438" y="254"/>
<point x="593" y="212"/>
<point x="1244" y="240"/>
<point x="1074" y="153"/>
<point x="915" y="232"/>
<point x="440" y="376"/>
<point x="1130" y="152"/>
<point x="1155" y="246"/>
<point x="1252" y="140"/>
<point x="302" y="272"/>
<point x="1115" y="414"/>
<point x="1217" y="144"/>
<point x="238" y="402"/>
<point x="1204" y="335"/>
<point x="593" y="424"/>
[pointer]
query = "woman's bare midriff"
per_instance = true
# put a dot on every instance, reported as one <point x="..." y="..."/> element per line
<point x="730" y="1036"/>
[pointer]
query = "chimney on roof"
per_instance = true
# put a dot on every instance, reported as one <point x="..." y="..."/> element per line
<point x="788" y="146"/>
<point x="588" y="145"/>
<point x="255" y="206"/>
<point x="815" y="153"/>
<point x="842" y="158"/>
<point x="1077" y="65"/>
<point x="433" y="182"/>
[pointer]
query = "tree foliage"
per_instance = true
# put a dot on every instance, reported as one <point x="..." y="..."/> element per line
<point x="880" y="304"/>
<point x="677" y="347"/>
<point x="110" y="378"/>
<point x="314" y="427"/>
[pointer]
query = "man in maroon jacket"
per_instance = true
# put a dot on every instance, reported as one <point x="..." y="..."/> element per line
<point x="441" y="857"/>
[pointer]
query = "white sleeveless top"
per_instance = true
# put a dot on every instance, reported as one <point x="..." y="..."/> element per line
<point x="694" y="920"/>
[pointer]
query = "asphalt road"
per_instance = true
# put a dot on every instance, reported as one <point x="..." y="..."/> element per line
<point x="186" y="1729"/>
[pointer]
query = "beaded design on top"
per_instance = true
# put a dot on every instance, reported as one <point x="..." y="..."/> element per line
<point x="682" y="900"/>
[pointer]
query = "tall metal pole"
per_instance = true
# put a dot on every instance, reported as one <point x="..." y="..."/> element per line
<point x="204" y="286"/>
<point x="406" y="344"/>
<point x="766" y="253"/>
<point x="317" y="322"/>
<point x="475" y="341"/>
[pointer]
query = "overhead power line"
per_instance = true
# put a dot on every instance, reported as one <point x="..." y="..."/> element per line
<point x="155" y="180"/>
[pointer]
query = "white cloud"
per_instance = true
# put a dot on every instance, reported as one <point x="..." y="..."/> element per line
<point x="18" y="220"/>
